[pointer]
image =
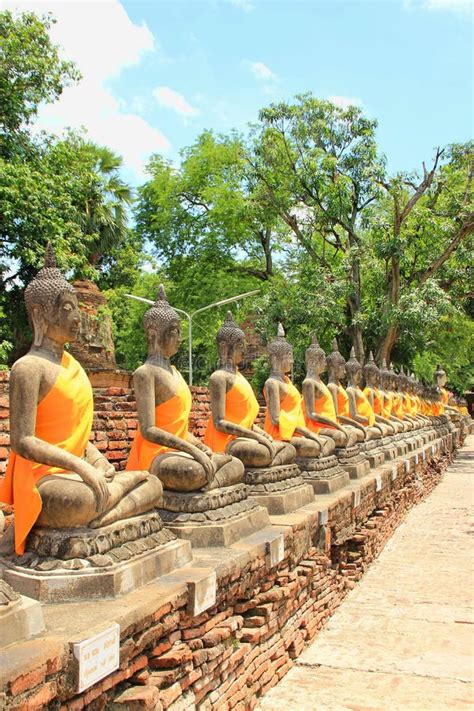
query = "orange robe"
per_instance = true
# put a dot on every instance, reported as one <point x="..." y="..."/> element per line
<point x="342" y="402"/>
<point x="64" y="419"/>
<point x="241" y="408"/>
<point x="172" y="416"/>
<point x="324" y="406"/>
<point x="291" y="415"/>
<point x="397" y="405"/>
<point x="378" y="399"/>
<point x="364" y="408"/>
<point x="387" y="405"/>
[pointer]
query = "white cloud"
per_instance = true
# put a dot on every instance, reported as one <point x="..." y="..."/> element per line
<point x="173" y="100"/>
<point x="244" y="5"/>
<point x="261" y="71"/>
<point x="460" y="7"/>
<point x="102" y="40"/>
<point x="345" y="101"/>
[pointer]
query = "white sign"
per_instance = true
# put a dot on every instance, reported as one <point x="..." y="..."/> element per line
<point x="97" y="656"/>
<point x="424" y="455"/>
<point x="416" y="458"/>
<point x="275" y="551"/>
<point x="407" y="465"/>
<point x="323" y="517"/>
<point x="394" y="473"/>
<point x="378" y="482"/>
<point x="356" y="498"/>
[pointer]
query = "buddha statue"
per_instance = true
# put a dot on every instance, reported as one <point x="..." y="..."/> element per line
<point x="232" y="428"/>
<point x="360" y="409"/>
<point x="375" y="396"/>
<point x="319" y="411"/>
<point x="55" y="478"/>
<point x="398" y="409"/>
<point x="337" y="371"/>
<point x="441" y="378"/>
<point x="284" y="419"/>
<point x="388" y="399"/>
<point x="163" y="444"/>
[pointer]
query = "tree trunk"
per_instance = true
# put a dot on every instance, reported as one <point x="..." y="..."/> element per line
<point x="387" y="344"/>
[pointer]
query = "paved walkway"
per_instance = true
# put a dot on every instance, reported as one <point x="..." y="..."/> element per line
<point x="404" y="637"/>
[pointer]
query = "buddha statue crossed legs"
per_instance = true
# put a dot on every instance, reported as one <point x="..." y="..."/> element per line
<point x="55" y="477"/>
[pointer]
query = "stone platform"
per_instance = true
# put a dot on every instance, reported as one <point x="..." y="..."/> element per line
<point x="20" y="616"/>
<point x="279" y="489"/>
<point x="273" y="591"/>
<point x="218" y="517"/>
<point x="325" y="474"/>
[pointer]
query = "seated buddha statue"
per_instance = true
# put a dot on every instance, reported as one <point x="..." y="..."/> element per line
<point x="388" y="398"/>
<point x="375" y="396"/>
<point x="405" y="399"/>
<point x="441" y="378"/>
<point x="318" y="405"/>
<point x="234" y="408"/>
<point x="337" y="371"/>
<point x="360" y="409"/>
<point x="284" y="418"/>
<point x="163" y="444"/>
<point x="55" y="477"/>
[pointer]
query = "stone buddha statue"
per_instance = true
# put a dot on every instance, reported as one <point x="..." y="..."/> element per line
<point x="375" y="396"/>
<point x="55" y="478"/>
<point x="284" y="419"/>
<point x="337" y="371"/>
<point x="441" y="378"/>
<point x="360" y="409"/>
<point x="319" y="410"/>
<point x="234" y="408"/>
<point x="386" y="377"/>
<point x="163" y="444"/>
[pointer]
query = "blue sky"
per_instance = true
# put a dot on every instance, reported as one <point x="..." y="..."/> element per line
<point x="157" y="73"/>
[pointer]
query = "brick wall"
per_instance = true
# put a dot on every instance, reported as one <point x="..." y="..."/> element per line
<point x="227" y="657"/>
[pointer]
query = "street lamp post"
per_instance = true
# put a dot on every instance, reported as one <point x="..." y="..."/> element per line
<point x="190" y="320"/>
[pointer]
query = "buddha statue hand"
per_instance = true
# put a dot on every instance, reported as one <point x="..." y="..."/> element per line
<point x="266" y="440"/>
<point x="96" y="479"/>
<point x="201" y="454"/>
<point x="106" y="467"/>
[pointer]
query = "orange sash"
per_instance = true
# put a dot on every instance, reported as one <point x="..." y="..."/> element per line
<point x="342" y="402"/>
<point x="172" y="416"/>
<point x="387" y="405"/>
<point x="378" y="399"/>
<point x="291" y="415"/>
<point x="64" y="419"/>
<point x="397" y="407"/>
<point x="364" y="408"/>
<point x="444" y="396"/>
<point x="241" y="408"/>
<point x="324" y="406"/>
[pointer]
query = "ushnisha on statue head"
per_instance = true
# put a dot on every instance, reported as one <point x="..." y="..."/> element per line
<point x="280" y="353"/>
<point x="162" y="327"/>
<point x="336" y="363"/>
<point x="353" y="368"/>
<point x="385" y="376"/>
<point x="315" y="356"/>
<point x="371" y="371"/>
<point x="230" y="343"/>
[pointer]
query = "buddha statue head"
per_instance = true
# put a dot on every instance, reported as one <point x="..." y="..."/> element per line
<point x="353" y="368"/>
<point x="51" y="304"/>
<point x="280" y="353"/>
<point x="162" y="327"/>
<point x="371" y="371"/>
<point x="315" y="357"/>
<point x="393" y="377"/>
<point x="402" y="380"/>
<point x="230" y="343"/>
<point x="385" y="376"/>
<point x="440" y="377"/>
<point x="336" y="363"/>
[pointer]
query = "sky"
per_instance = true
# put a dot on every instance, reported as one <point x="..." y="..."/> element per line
<point x="157" y="73"/>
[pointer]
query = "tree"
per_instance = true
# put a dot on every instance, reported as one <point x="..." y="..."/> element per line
<point x="320" y="169"/>
<point x="423" y="232"/>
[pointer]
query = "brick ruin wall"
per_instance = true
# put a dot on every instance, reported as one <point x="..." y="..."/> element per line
<point x="229" y="656"/>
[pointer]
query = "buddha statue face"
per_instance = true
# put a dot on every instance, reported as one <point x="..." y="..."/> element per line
<point x="315" y="357"/>
<point x="441" y="377"/>
<point x="371" y="372"/>
<point x="162" y="327"/>
<point x="354" y="369"/>
<point x="51" y="304"/>
<point x="336" y="363"/>
<point x="230" y="343"/>
<point x="280" y="353"/>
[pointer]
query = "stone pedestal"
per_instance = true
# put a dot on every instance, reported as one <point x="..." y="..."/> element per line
<point x="20" y="617"/>
<point x="325" y="474"/>
<point x="353" y="461"/>
<point x="218" y="517"/>
<point x="86" y="564"/>
<point x="374" y="454"/>
<point x="389" y="449"/>
<point x="280" y="489"/>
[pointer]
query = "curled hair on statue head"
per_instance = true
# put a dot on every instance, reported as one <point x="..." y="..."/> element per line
<point x="314" y="352"/>
<point x="279" y="347"/>
<point x="335" y="358"/>
<point x="159" y="316"/>
<point x="353" y="365"/>
<point x="371" y="366"/>
<point x="227" y="337"/>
